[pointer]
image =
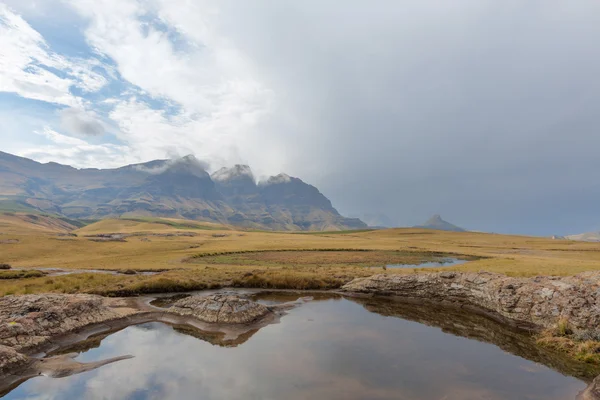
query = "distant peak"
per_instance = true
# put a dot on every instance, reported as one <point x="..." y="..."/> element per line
<point x="436" y="222"/>
<point x="237" y="171"/>
<point x="278" y="179"/>
<point x="435" y="218"/>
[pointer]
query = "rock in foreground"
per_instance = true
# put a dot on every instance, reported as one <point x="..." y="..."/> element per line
<point x="30" y="320"/>
<point x="11" y="359"/>
<point x="221" y="309"/>
<point x="539" y="301"/>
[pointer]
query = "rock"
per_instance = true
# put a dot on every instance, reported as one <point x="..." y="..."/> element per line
<point x="221" y="309"/>
<point x="129" y="272"/>
<point x="592" y="392"/>
<point x="65" y="365"/>
<point x="40" y="323"/>
<point x="539" y="302"/>
<point x="11" y="359"/>
<point x="30" y="320"/>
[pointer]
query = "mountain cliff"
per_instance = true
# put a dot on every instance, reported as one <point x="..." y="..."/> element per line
<point x="180" y="188"/>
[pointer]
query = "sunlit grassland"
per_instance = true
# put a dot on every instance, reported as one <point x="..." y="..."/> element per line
<point x="218" y="256"/>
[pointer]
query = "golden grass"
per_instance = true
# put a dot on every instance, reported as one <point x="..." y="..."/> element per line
<point x="585" y="350"/>
<point x="222" y="256"/>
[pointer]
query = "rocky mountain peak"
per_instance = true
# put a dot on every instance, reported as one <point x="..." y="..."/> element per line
<point x="177" y="188"/>
<point x="238" y="171"/>
<point x="277" y="179"/>
<point x="188" y="165"/>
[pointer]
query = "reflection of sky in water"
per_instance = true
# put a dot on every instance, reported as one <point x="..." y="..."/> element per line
<point x="332" y="349"/>
<point x="448" y="262"/>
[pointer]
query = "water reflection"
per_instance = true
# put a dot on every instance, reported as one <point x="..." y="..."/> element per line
<point x="334" y="348"/>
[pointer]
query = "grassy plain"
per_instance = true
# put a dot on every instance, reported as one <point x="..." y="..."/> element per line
<point x="197" y="255"/>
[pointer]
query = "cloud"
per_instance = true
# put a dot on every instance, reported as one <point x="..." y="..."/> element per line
<point x="76" y="152"/>
<point x="80" y="122"/>
<point x="483" y="111"/>
<point x="189" y="159"/>
<point x="29" y="68"/>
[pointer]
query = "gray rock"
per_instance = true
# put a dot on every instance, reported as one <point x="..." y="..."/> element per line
<point x="30" y="320"/>
<point x="540" y="302"/>
<point x="592" y="392"/>
<point x="11" y="359"/>
<point x="221" y="309"/>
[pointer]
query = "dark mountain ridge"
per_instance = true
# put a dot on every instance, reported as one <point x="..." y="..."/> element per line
<point x="180" y="188"/>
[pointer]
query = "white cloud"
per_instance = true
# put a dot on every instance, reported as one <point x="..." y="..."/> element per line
<point x="219" y="102"/>
<point x="61" y="139"/>
<point x="26" y="64"/>
<point x="77" y="152"/>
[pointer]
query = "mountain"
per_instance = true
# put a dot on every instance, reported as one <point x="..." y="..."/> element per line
<point x="436" y="222"/>
<point x="296" y="203"/>
<point x="585" y="237"/>
<point x="180" y="188"/>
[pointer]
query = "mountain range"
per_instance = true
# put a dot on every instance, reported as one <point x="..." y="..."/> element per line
<point x="436" y="222"/>
<point x="582" y="237"/>
<point x="180" y="188"/>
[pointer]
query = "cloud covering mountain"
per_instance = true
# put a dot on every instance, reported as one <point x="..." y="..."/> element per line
<point x="485" y="111"/>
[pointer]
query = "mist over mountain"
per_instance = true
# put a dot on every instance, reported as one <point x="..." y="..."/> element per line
<point x="179" y="188"/>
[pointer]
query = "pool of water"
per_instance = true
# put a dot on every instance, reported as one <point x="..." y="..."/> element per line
<point x="447" y="262"/>
<point x="330" y="348"/>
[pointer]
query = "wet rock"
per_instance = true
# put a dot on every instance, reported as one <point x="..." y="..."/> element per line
<point x="539" y="301"/>
<point x="65" y="365"/>
<point x="221" y="309"/>
<point x="30" y="320"/>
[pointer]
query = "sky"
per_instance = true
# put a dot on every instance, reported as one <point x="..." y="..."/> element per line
<point x="486" y="112"/>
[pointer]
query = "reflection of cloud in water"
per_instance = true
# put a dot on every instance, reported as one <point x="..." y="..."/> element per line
<point x="346" y="352"/>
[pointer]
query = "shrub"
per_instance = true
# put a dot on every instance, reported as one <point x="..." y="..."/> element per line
<point x="5" y="266"/>
<point x="563" y="328"/>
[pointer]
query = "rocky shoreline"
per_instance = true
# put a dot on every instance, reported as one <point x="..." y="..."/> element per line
<point x="31" y="326"/>
<point x="536" y="304"/>
<point x="532" y="303"/>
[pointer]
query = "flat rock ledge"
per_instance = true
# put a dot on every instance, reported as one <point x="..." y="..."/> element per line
<point x="538" y="302"/>
<point x="221" y="309"/>
<point x="30" y="320"/>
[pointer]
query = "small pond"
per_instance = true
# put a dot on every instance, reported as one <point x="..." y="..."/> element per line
<point x="447" y="262"/>
<point x="330" y="348"/>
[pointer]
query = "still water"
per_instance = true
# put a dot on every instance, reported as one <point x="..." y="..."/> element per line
<point x="330" y="348"/>
<point x="447" y="262"/>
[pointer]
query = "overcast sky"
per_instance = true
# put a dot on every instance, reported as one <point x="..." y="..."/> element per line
<point x="487" y="112"/>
